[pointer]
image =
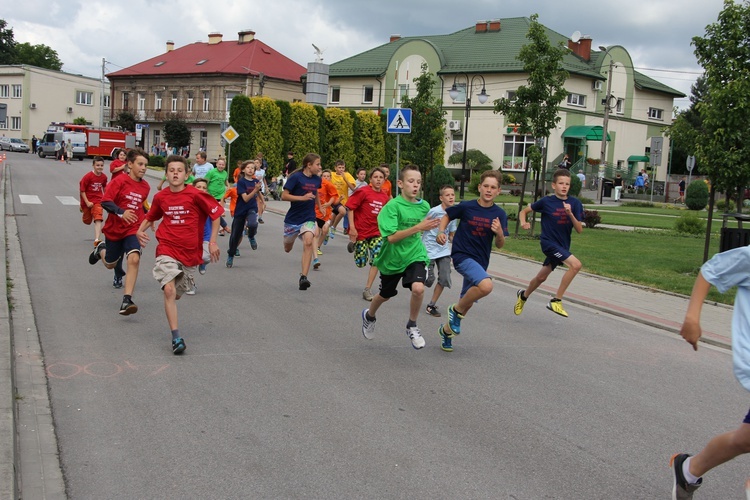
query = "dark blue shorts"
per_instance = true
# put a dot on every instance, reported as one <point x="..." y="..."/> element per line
<point x="117" y="248"/>
<point x="555" y="254"/>
<point x="747" y="418"/>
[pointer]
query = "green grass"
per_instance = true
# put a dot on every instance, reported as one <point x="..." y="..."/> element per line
<point x="662" y="260"/>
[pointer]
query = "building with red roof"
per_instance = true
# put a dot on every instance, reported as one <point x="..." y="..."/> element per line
<point x="197" y="83"/>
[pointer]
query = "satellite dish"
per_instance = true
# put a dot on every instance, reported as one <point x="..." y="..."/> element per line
<point x="575" y="36"/>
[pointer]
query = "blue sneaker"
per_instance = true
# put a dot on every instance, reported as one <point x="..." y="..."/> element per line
<point x="316" y="263"/>
<point x="178" y="345"/>
<point x="230" y="261"/>
<point x="237" y="253"/>
<point x="447" y="343"/>
<point x="202" y="268"/>
<point x="453" y="327"/>
<point x="253" y="244"/>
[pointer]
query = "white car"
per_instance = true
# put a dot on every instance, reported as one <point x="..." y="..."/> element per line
<point x="13" y="144"/>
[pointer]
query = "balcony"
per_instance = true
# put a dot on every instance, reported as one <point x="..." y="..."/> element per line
<point x="161" y="115"/>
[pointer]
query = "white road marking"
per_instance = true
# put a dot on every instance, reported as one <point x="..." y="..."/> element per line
<point x="68" y="200"/>
<point x="29" y="199"/>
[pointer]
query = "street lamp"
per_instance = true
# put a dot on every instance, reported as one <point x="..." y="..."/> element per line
<point x="482" y="97"/>
<point x="605" y="122"/>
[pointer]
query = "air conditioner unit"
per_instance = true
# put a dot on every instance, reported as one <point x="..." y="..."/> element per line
<point x="596" y="85"/>
<point x="70" y="110"/>
<point x="32" y="105"/>
<point x="454" y="124"/>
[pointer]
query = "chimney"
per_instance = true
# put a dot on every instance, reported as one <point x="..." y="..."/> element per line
<point x="170" y="45"/>
<point x="246" y="36"/>
<point x="395" y="37"/>
<point x="481" y="27"/>
<point x="582" y="48"/>
<point x="494" y="25"/>
<point x="214" y="38"/>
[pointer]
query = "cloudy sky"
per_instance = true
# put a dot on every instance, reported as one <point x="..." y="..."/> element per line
<point x="657" y="33"/>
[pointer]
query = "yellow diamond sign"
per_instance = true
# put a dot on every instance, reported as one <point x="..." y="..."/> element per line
<point x="230" y="134"/>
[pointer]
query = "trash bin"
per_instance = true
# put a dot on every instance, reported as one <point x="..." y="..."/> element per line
<point x="734" y="237"/>
<point x="608" y="186"/>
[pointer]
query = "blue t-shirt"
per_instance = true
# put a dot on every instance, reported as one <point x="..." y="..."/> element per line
<point x="244" y="207"/>
<point x="298" y="184"/>
<point x="556" y="224"/>
<point x="207" y="227"/>
<point x="474" y="236"/>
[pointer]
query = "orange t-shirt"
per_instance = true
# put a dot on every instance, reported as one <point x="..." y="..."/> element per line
<point x="387" y="188"/>
<point x="326" y="192"/>
<point x="232" y="195"/>
<point x="236" y="174"/>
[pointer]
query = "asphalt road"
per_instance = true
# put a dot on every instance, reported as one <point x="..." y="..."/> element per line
<point x="279" y="396"/>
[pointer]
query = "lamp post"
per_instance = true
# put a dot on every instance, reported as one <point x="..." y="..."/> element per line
<point x="482" y="97"/>
<point x="605" y="123"/>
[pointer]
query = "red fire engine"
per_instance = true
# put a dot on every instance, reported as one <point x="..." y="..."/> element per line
<point x="100" y="141"/>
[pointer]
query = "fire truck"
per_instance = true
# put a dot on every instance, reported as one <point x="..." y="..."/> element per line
<point x="100" y="141"/>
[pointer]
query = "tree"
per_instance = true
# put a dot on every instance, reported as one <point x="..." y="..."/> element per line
<point x="286" y="116"/>
<point x="176" y="132"/>
<point x="686" y="129"/>
<point x="266" y="133"/>
<point x="426" y="142"/>
<point x="7" y="44"/>
<point x="438" y="177"/>
<point x="38" y="55"/>
<point x="476" y="161"/>
<point x="369" y="139"/>
<point x="304" y="130"/>
<point x="125" y="120"/>
<point x="80" y="121"/>
<point x="240" y="116"/>
<point x="339" y="138"/>
<point x="536" y="107"/>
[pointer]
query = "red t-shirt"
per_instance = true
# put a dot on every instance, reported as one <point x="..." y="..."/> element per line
<point x="115" y="164"/>
<point x="180" y="234"/>
<point x="128" y="195"/>
<point x="93" y="185"/>
<point x="366" y="203"/>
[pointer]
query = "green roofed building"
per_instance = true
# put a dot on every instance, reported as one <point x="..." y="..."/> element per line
<point x="640" y="107"/>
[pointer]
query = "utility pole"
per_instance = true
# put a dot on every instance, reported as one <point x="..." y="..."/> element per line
<point x="101" y="97"/>
<point x="605" y="123"/>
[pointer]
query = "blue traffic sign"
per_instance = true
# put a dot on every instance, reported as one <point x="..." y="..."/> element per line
<point x="399" y="121"/>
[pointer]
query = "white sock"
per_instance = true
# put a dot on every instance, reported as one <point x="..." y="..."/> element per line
<point x="691" y="479"/>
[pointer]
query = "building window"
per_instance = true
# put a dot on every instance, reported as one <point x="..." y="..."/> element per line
<point x="655" y="113"/>
<point x="403" y="91"/>
<point x="577" y="100"/>
<point x="512" y="96"/>
<point x="17" y="91"/>
<point x="190" y="102"/>
<point x="367" y="94"/>
<point x="514" y="151"/>
<point x="105" y="101"/>
<point x="5" y="90"/>
<point x="15" y="123"/>
<point x="4" y="125"/>
<point x="157" y="137"/>
<point x="620" y="108"/>
<point x="125" y="100"/>
<point x="157" y="101"/>
<point x="335" y="95"/>
<point x="204" y="140"/>
<point x="206" y="100"/>
<point x="85" y="98"/>
<point x="174" y="102"/>
<point x="141" y="102"/>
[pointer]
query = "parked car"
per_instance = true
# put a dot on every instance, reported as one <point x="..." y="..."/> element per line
<point x="13" y="144"/>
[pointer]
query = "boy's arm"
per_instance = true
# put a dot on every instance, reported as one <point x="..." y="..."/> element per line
<point x="497" y="228"/>
<point x="349" y="180"/>
<point x="441" y="238"/>
<point x="247" y="196"/>
<point x="425" y="225"/>
<point x="576" y="223"/>
<point x="143" y="238"/>
<point x="213" y="247"/>
<point x="353" y="233"/>
<point x="86" y="199"/>
<point x="522" y="217"/>
<point x="691" y="326"/>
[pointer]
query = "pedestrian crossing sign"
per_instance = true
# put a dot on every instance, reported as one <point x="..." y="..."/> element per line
<point x="399" y="121"/>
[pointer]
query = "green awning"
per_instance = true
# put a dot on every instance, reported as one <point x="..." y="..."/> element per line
<point x="588" y="132"/>
<point x="637" y="158"/>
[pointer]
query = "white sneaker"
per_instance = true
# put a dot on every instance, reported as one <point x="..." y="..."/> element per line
<point x="191" y="291"/>
<point x="368" y="327"/>
<point x="367" y="295"/>
<point x="417" y="341"/>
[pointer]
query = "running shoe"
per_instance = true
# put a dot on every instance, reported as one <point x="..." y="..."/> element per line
<point x="681" y="490"/>
<point x="319" y="252"/>
<point x="237" y="253"/>
<point x="446" y="343"/>
<point x="96" y="243"/>
<point x="433" y="311"/>
<point x="332" y="233"/>
<point x="96" y="255"/>
<point x="128" y="307"/>
<point x="368" y="327"/>
<point x="304" y="283"/>
<point x="192" y="290"/>
<point x="316" y="263"/>
<point x="453" y="327"/>
<point x="350" y="247"/>
<point x="325" y="240"/>
<point x="520" y="302"/>
<point x="202" y="268"/>
<point x="555" y="305"/>
<point x="253" y="244"/>
<point x="230" y="261"/>
<point x="178" y="345"/>
<point x="346" y="231"/>
<point x="417" y="341"/>
<point x="117" y="282"/>
<point x="367" y="295"/>
<point x="260" y="219"/>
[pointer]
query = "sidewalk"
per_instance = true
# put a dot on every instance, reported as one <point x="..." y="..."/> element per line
<point x="649" y="306"/>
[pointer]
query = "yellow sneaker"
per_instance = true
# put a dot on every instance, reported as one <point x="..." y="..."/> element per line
<point x="518" y="308"/>
<point x="319" y="252"/>
<point x="555" y="305"/>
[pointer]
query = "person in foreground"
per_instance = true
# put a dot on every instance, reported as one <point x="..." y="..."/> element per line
<point x="180" y="238"/>
<point x="725" y="270"/>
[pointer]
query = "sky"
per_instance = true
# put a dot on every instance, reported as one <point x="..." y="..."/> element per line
<point x="656" y="33"/>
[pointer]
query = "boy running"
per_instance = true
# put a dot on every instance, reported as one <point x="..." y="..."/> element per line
<point x="560" y="215"/>
<point x="246" y="211"/>
<point x="402" y="256"/>
<point x="92" y="187"/>
<point x="124" y="199"/>
<point x="328" y="196"/>
<point x="439" y="255"/>
<point x="481" y="223"/>
<point x="180" y="238"/>
<point x="365" y="241"/>
<point x="343" y="181"/>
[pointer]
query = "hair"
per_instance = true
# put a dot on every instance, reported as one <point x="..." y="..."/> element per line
<point x="494" y="174"/>
<point x="385" y="165"/>
<point x="290" y="153"/>
<point x="245" y="164"/>
<point x="326" y="171"/>
<point x="340" y="162"/>
<point x="309" y="159"/>
<point x="96" y="159"/>
<point x="135" y="153"/>
<point x="360" y="169"/>
<point x="175" y="159"/>
<point x="447" y="186"/>
<point x="560" y="172"/>
<point x="202" y="154"/>
<point x="409" y="168"/>
<point x="118" y="151"/>
<point x="199" y="180"/>
<point x="376" y="169"/>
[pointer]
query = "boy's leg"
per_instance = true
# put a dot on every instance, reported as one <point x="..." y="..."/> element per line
<point x="473" y="294"/>
<point x="721" y="449"/>
<point x="251" y="223"/>
<point x="308" y="240"/>
<point x="97" y="231"/>
<point x="170" y="304"/>
<point x="417" y="296"/>
<point x="537" y="280"/>
<point x="131" y="274"/>
<point x="574" y="265"/>
<point x="290" y="235"/>
<point x="371" y="275"/>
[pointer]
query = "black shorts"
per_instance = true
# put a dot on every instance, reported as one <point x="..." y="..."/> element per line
<point x="416" y="272"/>
<point x="320" y="222"/>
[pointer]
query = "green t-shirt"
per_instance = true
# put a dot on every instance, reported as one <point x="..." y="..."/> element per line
<point x="216" y="182"/>
<point x="396" y="215"/>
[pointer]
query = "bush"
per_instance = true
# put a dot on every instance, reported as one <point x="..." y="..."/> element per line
<point x="575" y="186"/>
<point x="586" y="201"/>
<point x="509" y="179"/>
<point x="637" y="204"/>
<point x="156" y="161"/>
<point x="437" y="178"/>
<point x="724" y="207"/>
<point x="474" y="183"/>
<point x="696" y="195"/>
<point x="689" y="223"/>
<point x="515" y="192"/>
<point x="591" y="218"/>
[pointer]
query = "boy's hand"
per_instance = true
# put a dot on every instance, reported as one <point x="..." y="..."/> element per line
<point x="441" y="239"/>
<point x="566" y="206"/>
<point x="143" y="238"/>
<point x="526" y="225"/>
<point x="353" y="234"/>
<point x="129" y="216"/>
<point x="496" y="227"/>
<point x="213" y="250"/>
<point x="691" y="332"/>
<point x="89" y="204"/>
<point x="429" y="223"/>
<point x="308" y="196"/>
